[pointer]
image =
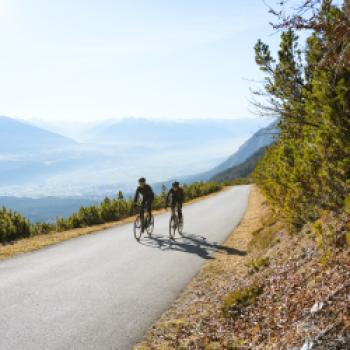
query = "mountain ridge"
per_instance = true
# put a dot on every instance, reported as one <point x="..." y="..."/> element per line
<point x="19" y="136"/>
<point x="262" y="138"/>
<point x="241" y="170"/>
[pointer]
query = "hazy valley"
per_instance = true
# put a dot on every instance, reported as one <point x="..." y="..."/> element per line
<point x="100" y="159"/>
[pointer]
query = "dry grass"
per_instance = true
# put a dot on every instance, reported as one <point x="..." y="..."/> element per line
<point x="37" y="242"/>
<point x="41" y="241"/>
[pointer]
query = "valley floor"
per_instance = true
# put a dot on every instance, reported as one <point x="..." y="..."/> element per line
<point x="283" y="294"/>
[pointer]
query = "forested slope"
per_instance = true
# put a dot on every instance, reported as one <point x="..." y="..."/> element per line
<point x="242" y="170"/>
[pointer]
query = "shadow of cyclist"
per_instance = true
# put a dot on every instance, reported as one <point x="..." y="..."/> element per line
<point x="192" y="244"/>
<point x="214" y="246"/>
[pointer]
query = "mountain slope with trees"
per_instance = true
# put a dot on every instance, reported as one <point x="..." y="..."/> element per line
<point x="263" y="137"/>
<point x="241" y="170"/>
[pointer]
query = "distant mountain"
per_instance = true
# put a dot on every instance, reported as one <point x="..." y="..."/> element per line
<point x="241" y="170"/>
<point x="261" y="138"/>
<point x="19" y="137"/>
<point x="179" y="132"/>
<point x="35" y="162"/>
<point x="38" y="163"/>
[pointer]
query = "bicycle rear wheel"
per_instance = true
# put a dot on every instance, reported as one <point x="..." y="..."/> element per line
<point x="150" y="225"/>
<point x="137" y="228"/>
<point x="172" y="227"/>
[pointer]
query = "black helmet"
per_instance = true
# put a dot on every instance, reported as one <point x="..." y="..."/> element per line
<point x="142" y="179"/>
<point x="176" y="184"/>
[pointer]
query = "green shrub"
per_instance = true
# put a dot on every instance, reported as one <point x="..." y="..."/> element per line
<point x="347" y="237"/>
<point x="240" y="298"/>
<point x="258" y="264"/>
<point x="266" y="236"/>
<point x="43" y="228"/>
<point x="14" y="226"/>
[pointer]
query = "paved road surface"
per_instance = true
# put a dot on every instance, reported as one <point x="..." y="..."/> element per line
<point x="104" y="290"/>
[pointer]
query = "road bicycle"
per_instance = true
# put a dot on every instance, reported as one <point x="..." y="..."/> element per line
<point x="148" y="225"/>
<point x="175" y="224"/>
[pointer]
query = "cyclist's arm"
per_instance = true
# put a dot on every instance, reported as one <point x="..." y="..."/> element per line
<point x="151" y="193"/>
<point x="168" y="196"/>
<point x="136" y="197"/>
<point x="182" y="196"/>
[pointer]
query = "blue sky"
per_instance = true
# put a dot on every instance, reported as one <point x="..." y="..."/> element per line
<point x="97" y="59"/>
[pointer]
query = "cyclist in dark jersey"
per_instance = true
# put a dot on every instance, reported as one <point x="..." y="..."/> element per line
<point x="176" y="196"/>
<point x="147" y="194"/>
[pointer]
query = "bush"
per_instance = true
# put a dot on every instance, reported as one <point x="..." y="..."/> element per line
<point x="240" y="298"/>
<point x="258" y="264"/>
<point x="266" y="236"/>
<point x="13" y="226"/>
<point x="42" y="228"/>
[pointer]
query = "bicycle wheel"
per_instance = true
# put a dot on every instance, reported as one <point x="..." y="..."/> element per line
<point x="181" y="226"/>
<point x="150" y="225"/>
<point x="172" y="227"/>
<point x="137" y="228"/>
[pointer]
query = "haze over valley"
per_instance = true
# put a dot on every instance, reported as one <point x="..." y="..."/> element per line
<point x="108" y="156"/>
<point x="95" y="95"/>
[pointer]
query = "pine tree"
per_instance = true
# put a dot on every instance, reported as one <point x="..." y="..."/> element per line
<point x="307" y="170"/>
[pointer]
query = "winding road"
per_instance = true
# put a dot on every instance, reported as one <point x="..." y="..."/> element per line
<point x="103" y="291"/>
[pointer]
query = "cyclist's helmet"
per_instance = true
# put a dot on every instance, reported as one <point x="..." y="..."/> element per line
<point x="176" y="184"/>
<point x="142" y="180"/>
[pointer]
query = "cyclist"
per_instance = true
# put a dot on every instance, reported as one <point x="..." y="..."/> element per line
<point x="147" y="194"/>
<point x="176" y="194"/>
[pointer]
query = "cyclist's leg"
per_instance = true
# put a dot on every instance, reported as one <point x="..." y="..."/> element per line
<point x="179" y="210"/>
<point x="142" y="216"/>
<point x="173" y="207"/>
<point x="149" y="211"/>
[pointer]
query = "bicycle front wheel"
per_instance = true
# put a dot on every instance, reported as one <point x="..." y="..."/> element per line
<point x="172" y="227"/>
<point x="137" y="228"/>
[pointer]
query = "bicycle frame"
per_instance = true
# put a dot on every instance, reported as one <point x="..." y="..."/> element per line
<point x="174" y="223"/>
<point x="140" y="224"/>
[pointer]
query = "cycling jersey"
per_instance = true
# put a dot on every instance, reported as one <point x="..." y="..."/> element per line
<point x="176" y="196"/>
<point x="146" y="192"/>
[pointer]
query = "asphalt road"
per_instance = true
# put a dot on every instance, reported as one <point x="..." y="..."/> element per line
<point x="103" y="291"/>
